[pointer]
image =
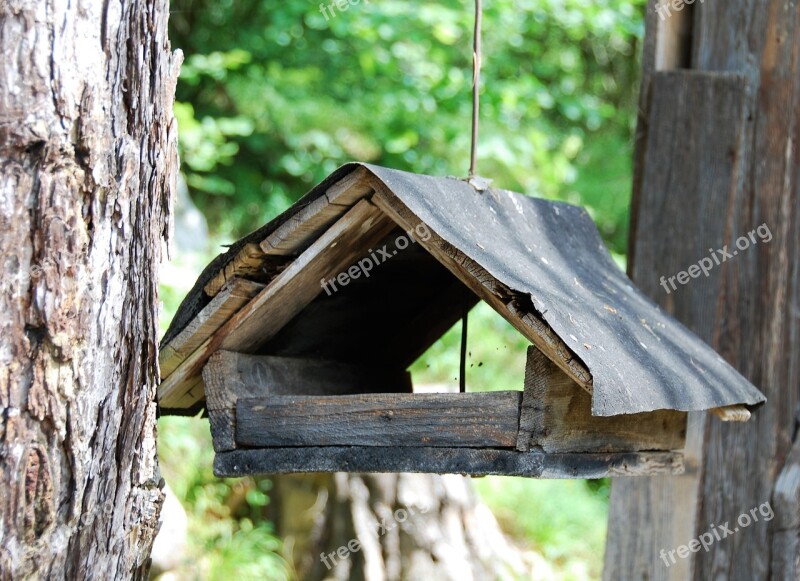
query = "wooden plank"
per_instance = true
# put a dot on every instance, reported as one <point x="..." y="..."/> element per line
<point x="538" y="376"/>
<point x="557" y="416"/>
<point x="465" y="420"/>
<point x="285" y="296"/>
<point x="678" y="194"/>
<point x="229" y="376"/>
<point x="249" y="261"/>
<point x="664" y="48"/>
<point x="194" y="393"/>
<point x="467" y="461"/>
<point x="234" y="296"/>
<point x="350" y="189"/>
<point x="756" y="322"/>
<point x="487" y="288"/>
<point x="295" y="235"/>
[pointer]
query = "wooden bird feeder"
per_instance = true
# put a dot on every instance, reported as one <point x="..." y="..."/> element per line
<point x="301" y="375"/>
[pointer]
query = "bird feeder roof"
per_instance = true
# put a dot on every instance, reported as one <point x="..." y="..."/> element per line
<point x="543" y="266"/>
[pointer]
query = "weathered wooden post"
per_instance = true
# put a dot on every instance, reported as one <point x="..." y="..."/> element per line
<point x="717" y="156"/>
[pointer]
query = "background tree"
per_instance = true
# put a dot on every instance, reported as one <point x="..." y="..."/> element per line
<point x="87" y="165"/>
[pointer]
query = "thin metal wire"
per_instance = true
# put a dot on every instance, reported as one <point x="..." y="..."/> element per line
<point x="476" y="85"/>
<point x="462" y="376"/>
<point x="476" y="105"/>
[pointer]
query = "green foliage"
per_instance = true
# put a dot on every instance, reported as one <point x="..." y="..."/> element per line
<point x="228" y="539"/>
<point x="495" y="355"/>
<point x="280" y="96"/>
<point x="565" y="521"/>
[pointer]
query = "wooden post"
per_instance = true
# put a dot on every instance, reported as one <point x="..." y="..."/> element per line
<point x="716" y="159"/>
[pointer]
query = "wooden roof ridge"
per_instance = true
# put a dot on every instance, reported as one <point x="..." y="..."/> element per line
<point x="541" y="264"/>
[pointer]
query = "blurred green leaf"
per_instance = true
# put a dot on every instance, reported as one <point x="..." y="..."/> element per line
<point x="281" y="95"/>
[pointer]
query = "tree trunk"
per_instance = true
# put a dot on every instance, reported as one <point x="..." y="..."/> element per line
<point x="717" y="156"/>
<point x="392" y="527"/>
<point x="88" y="156"/>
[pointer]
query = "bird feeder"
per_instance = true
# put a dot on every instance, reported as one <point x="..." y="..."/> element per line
<point x="297" y="340"/>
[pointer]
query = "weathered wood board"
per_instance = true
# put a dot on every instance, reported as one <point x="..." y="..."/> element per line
<point x="295" y="234"/>
<point x="299" y="231"/>
<point x="233" y="297"/>
<point x="230" y="376"/>
<point x="466" y="461"/>
<point x="726" y="161"/>
<point x="336" y="186"/>
<point x="557" y="417"/>
<point x="464" y="420"/>
<point x="248" y="262"/>
<point x="681" y="160"/>
<point x="757" y="321"/>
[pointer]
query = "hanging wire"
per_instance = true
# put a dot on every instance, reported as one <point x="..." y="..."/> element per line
<point x="476" y="85"/>
<point x="462" y="376"/>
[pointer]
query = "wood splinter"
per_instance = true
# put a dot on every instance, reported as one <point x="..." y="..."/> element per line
<point x="732" y="413"/>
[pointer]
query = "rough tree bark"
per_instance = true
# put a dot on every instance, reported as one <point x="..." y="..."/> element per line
<point x="87" y="168"/>
<point x="717" y="155"/>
